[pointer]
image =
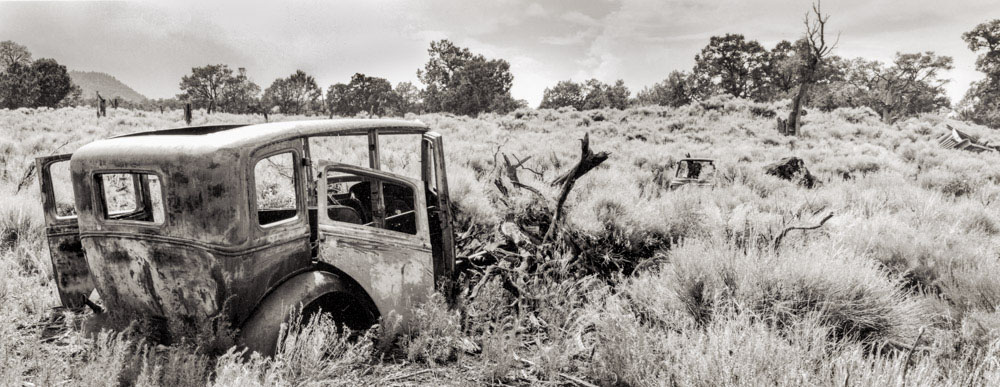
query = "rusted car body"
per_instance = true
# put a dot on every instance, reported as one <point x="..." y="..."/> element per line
<point x="694" y="172"/>
<point x="185" y="225"/>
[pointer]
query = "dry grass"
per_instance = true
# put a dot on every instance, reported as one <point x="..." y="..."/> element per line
<point x="912" y="248"/>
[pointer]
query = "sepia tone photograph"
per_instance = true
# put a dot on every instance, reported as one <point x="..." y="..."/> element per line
<point x="500" y="193"/>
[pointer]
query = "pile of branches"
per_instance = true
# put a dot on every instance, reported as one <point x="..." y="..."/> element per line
<point x="532" y="245"/>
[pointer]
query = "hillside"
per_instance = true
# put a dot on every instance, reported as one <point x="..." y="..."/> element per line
<point x="702" y="286"/>
<point x="107" y="85"/>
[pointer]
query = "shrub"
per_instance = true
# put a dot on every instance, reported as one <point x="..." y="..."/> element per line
<point x="762" y="111"/>
<point x="307" y="354"/>
<point x="850" y="294"/>
<point x="20" y="222"/>
<point x="437" y="333"/>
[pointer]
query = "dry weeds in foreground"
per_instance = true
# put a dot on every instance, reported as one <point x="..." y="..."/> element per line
<point x="912" y="253"/>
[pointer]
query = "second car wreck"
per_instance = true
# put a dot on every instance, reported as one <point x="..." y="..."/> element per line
<point x="242" y="222"/>
<point x="694" y="172"/>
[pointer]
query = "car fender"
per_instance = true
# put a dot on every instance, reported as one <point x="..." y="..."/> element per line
<point x="259" y="333"/>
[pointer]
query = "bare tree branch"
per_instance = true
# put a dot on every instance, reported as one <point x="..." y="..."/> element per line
<point x="511" y="170"/>
<point x="777" y="240"/>
<point x="588" y="161"/>
<point x="815" y="36"/>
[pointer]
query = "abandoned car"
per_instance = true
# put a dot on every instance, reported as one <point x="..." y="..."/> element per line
<point x="696" y="172"/>
<point x="245" y="222"/>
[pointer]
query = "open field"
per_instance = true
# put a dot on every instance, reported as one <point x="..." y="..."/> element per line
<point x="899" y="287"/>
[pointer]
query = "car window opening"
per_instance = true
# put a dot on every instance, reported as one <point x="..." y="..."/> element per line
<point x="62" y="189"/>
<point x="274" y="181"/>
<point x="351" y="199"/>
<point x="131" y="196"/>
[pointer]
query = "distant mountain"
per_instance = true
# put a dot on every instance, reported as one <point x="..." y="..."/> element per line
<point x="108" y="86"/>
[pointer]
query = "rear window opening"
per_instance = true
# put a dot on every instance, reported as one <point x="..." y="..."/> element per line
<point x="132" y="196"/>
<point x="274" y="181"/>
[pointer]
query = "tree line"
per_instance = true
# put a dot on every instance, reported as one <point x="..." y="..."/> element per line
<point x="457" y="81"/>
<point x="733" y="65"/>
<point x="32" y="83"/>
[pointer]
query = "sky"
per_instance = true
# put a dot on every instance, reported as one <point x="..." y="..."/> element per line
<point x="150" y="45"/>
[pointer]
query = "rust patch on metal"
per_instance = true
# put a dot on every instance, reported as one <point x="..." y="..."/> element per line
<point x="217" y="190"/>
<point x="396" y="276"/>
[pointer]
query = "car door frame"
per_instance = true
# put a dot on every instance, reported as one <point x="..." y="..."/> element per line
<point x="70" y="269"/>
<point x="433" y="170"/>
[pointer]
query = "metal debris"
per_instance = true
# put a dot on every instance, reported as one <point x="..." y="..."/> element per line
<point x="956" y="139"/>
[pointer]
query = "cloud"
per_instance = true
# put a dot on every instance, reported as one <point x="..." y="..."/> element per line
<point x="581" y="19"/>
<point x="151" y="44"/>
<point x="576" y="38"/>
<point x="536" y="10"/>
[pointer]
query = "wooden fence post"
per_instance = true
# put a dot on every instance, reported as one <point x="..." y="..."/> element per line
<point x="101" y="107"/>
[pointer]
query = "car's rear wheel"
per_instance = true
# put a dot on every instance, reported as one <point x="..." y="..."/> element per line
<point x="344" y="309"/>
<point x="315" y="292"/>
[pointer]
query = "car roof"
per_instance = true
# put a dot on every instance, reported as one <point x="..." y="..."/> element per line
<point x="195" y="140"/>
<point x="277" y="131"/>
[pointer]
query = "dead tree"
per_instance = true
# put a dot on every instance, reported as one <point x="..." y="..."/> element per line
<point x="532" y="244"/>
<point x="588" y="160"/>
<point x="818" y="51"/>
<point x="187" y="113"/>
<point x="511" y="170"/>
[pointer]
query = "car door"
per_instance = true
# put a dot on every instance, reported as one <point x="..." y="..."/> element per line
<point x="373" y="228"/>
<point x="438" y="206"/>
<point x="69" y="263"/>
